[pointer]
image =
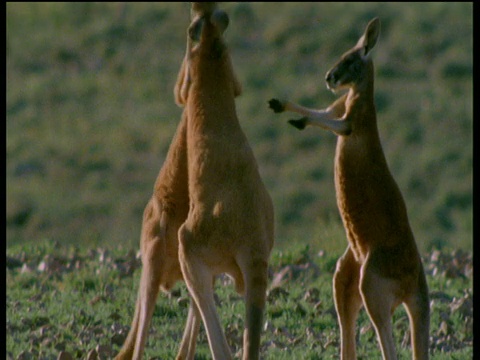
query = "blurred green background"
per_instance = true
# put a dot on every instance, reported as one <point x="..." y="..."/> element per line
<point x="91" y="112"/>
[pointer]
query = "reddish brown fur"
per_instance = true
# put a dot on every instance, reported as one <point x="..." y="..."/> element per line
<point x="381" y="267"/>
<point x="163" y="215"/>
<point x="229" y="227"/>
<point x="233" y="231"/>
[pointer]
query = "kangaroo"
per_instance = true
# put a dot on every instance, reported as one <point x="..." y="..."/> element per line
<point x="381" y="267"/>
<point x="165" y="212"/>
<point x="230" y="223"/>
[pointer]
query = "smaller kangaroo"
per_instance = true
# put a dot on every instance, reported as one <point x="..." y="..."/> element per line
<point x="381" y="267"/>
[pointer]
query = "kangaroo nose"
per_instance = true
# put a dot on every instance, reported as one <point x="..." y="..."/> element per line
<point x="329" y="78"/>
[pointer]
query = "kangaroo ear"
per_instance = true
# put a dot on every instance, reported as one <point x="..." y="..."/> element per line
<point x="370" y="36"/>
<point x="220" y="19"/>
<point x="183" y="82"/>
<point x="195" y="29"/>
<point x="183" y="78"/>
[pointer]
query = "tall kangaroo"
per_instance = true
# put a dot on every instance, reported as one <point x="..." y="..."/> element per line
<point x="229" y="226"/>
<point x="165" y="212"/>
<point x="381" y="267"/>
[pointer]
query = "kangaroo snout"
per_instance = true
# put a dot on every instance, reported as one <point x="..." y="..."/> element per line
<point x="331" y="80"/>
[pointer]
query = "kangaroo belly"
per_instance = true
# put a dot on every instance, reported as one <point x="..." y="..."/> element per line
<point x="370" y="204"/>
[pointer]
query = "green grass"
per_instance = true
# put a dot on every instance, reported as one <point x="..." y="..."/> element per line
<point x="89" y="301"/>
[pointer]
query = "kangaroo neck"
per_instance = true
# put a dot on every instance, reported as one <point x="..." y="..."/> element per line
<point x="208" y="114"/>
<point x="360" y="109"/>
<point x="364" y="139"/>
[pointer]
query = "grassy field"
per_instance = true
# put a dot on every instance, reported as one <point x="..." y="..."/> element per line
<point x="63" y="299"/>
<point x="90" y="115"/>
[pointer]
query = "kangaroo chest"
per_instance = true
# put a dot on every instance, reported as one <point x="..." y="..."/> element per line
<point x="368" y="199"/>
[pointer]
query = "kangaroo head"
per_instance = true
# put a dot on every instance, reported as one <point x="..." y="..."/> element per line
<point x="353" y="67"/>
<point x="207" y="32"/>
<point x="207" y="54"/>
<point x="199" y="9"/>
<point x="204" y="33"/>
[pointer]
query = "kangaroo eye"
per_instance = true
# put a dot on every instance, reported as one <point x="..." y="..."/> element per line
<point x="356" y="67"/>
<point x="348" y="61"/>
<point x="351" y="61"/>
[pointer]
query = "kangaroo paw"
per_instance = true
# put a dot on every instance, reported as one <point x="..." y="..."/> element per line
<point x="299" y="124"/>
<point x="276" y="105"/>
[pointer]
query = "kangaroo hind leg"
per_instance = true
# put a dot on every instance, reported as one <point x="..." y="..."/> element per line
<point x="189" y="340"/>
<point x="418" y="309"/>
<point x="199" y="279"/>
<point x="254" y="269"/>
<point x="379" y="297"/>
<point x="152" y="252"/>
<point x="348" y="301"/>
